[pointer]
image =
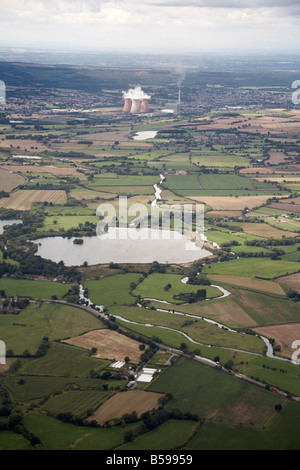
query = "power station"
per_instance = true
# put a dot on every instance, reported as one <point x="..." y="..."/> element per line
<point x="136" y="101"/>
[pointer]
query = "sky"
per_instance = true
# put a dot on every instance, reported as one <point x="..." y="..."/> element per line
<point x="157" y="26"/>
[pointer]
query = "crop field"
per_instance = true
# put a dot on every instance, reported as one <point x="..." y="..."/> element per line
<point x="265" y="230"/>
<point x="80" y="193"/>
<point x="250" y="283"/>
<point x="229" y="203"/>
<point x="22" y="200"/>
<point x="9" y="181"/>
<point x="126" y="402"/>
<point x="222" y="214"/>
<point x="266" y="309"/>
<point x="29" y="145"/>
<point x="109" y="344"/>
<point x="76" y="402"/>
<point x="54" y="170"/>
<point x="292" y="281"/>
<point x="276" y="158"/>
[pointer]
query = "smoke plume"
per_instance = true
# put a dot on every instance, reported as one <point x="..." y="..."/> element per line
<point x="136" y="94"/>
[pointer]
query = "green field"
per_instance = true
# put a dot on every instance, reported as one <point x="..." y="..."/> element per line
<point x="10" y="440"/>
<point x="64" y="360"/>
<point x="156" y="286"/>
<point x="212" y="394"/>
<point x="63" y="222"/>
<point x="38" y="320"/>
<point x="56" y="435"/>
<point x="198" y="330"/>
<point x="168" y="436"/>
<point x="113" y="290"/>
<point x="77" y="402"/>
<point x="281" y="434"/>
<point x="254" y="267"/>
<point x="35" y="289"/>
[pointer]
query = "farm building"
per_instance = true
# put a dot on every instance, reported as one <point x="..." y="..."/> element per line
<point x="146" y="375"/>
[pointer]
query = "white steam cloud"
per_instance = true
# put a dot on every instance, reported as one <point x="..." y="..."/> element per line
<point x="136" y="94"/>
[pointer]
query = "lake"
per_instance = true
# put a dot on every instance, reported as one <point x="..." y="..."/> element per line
<point x="3" y="223"/>
<point x="143" y="135"/>
<point x="124" y="245"/>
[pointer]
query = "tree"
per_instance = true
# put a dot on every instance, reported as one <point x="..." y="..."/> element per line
<point x="128" y="436"/>
<point x="127" y="359"/>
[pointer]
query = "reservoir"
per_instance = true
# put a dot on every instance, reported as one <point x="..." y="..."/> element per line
<point x="143" y="135"/>
<point x="122" y="245"/>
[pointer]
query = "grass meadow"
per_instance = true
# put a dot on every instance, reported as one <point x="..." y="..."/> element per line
<point x="52" y="320"/>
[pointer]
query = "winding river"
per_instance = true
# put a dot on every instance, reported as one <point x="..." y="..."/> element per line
<point x="225" y="293"/>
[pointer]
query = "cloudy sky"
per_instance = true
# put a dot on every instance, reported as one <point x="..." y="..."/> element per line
<point x="154" y="25"/>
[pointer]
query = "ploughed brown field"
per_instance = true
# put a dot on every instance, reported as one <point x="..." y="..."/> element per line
<point x="125" y="402"/>
<point x="222" y="214"/>
<point x="64" y="171"/>
<point x="286" y="207"/>
<point x="22" y="200"/>
<point x="109" y="344"/>
<point x="277" y="157"/>
<point x="267" y="171"/>
<point x="279" y="179"/>
<point x="232" y="202"/>
<point x="9" y="181"/>
<point x="257" y="284"/>
<point x="292" y="280"/>
<point x="265" y="230"/>
<point x="30" y="145"/>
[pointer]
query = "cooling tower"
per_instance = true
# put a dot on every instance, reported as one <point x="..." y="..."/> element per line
<point x="127" y="105"/>
<point x="144" y="106"/>
<point x="136" y="106"/>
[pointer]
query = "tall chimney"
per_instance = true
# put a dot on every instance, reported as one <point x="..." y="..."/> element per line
<point x="145" y="106"/>
<point x="178" y="107"/>
<point x="136" y="106"/>
<point x="127" y="105"/>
